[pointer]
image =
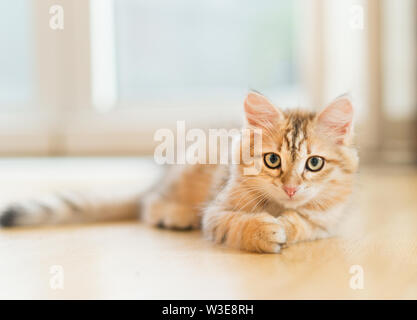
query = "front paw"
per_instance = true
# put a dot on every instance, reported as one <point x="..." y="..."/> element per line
<point x="267" y="236"/>
<point x="259" y="232"/>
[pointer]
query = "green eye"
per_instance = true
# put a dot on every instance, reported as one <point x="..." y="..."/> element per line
<point x="272" y="160"/>
<point x="315" y="163"/>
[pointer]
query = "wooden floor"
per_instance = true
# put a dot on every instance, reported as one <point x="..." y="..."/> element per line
<point x="130" y="260"/>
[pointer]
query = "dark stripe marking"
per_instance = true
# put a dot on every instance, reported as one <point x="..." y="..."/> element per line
<point x="69" y="203"/>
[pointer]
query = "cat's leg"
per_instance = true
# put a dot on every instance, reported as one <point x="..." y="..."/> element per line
<point x="300" y="228"/>
<point x="259" y="232"/>
<point x="177" y="201"/>
<point x="170" y="214"/>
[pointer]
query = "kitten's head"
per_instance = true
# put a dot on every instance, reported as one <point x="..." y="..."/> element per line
<point x="308" y="159"/>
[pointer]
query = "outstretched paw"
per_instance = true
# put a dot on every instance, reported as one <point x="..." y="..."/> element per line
<point x="269" y="237"/>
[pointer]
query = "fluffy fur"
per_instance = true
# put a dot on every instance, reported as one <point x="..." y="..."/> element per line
<point x="253" y="213"/>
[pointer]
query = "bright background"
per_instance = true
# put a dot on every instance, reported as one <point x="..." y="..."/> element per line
<point x="121" y="69"/>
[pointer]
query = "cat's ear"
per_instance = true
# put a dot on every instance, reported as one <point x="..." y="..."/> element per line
<point x="336" y="120"/>
<point x="260" y="111"/>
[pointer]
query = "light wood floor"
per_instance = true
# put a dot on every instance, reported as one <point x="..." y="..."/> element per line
<point x="130" y="260"/>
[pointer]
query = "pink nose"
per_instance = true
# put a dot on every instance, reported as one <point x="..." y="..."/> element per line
<point x="290" y="191"/>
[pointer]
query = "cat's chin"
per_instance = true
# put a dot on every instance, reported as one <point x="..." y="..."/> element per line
<point x="292" y="203"/>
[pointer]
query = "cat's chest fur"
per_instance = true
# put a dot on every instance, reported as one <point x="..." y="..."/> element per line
<point x="274" y="208"/>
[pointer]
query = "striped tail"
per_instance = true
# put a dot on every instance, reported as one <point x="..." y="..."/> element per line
<point x="71" y="207"/>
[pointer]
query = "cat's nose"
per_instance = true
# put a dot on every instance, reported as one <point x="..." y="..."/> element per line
<point x="290" y="190"/>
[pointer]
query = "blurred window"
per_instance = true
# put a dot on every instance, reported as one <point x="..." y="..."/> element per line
<point x="399" y="67"/>
<point x="207" y="49"/>
<point x="16" y="54"/>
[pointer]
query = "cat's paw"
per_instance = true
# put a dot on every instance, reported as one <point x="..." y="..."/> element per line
<point x="257" y="232"/>
<point x="268" y="236"/>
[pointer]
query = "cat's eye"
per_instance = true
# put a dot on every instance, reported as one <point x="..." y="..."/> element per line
<point x="315" y="163"/>
<point x="272" y="160"/>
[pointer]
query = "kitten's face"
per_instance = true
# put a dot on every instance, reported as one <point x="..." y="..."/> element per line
<point x="307" y="159"/>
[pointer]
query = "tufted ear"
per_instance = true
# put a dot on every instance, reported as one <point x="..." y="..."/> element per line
<point x="336" y="120"/>
<point x="259" y="111"/>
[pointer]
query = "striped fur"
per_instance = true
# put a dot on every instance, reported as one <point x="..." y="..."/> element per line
<point x="245" y="212"/>
<point x="71" y="207"/>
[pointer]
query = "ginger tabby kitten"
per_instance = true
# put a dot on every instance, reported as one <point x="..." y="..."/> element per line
<point x="301" y="192"/>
